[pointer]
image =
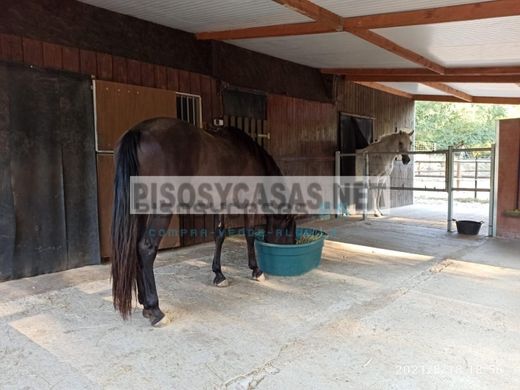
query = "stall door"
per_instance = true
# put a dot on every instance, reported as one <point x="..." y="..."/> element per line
<point x="48" y="214"/>
<point x="355" y="133"/>
<point x="118" y="108"/>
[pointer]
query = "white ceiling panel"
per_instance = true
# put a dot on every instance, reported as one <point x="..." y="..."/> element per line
<point x="369" y="7"/>
<point x="489" y="89"/>
<point x="325" y="51"/>
<point x="204" y="15"/>
<point x="415" y="88"/>
<point x="484" y="42"/>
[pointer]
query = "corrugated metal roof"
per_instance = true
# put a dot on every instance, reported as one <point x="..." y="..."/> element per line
<point x="325" y="50"/>
<point x="473" y="43"/>
<point x="204" y="15"/>
<point x="487" y="42"/>
<point x="415" y="88"/>
<point x="488" y="89"/>
<point x="369" y="7"/>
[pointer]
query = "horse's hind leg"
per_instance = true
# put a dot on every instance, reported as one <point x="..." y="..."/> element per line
<point x="249" y="222"/>
<point x="220" y="235"/>
<point x="147" y="248"/>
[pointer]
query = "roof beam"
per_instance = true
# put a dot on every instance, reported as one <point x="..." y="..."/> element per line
<point x="456" y="13"/>
<point x="394" y="48"/>
<point x="386" y="88"/>
<point x="437" y="78"/>
<point x="315" y="12"/>
<point x="450" y="90"/>
<point x="476" y="99"/>
<point x="279" y="30"/>
<point x="467" y="71"/>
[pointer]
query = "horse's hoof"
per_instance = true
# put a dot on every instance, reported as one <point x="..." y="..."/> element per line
<point x="259" y="277"/>
<point x="159" y="319"/>
<point x="220" y="280"/>
<point x="162" y="322"/>
<point x="147" y="313"/>
<point x="223" y="283"/>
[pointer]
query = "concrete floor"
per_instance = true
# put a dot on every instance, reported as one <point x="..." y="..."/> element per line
<point x="434" y="213"/>
<point x="393" y="306"/>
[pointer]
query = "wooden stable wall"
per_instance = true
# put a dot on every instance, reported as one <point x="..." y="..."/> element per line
<point x="508" y="179"/>
<point x="302" y="110"/>
<point x="303" y="135"/>
<point x="388" y="111"/>
<point x="105" y="66"/>
<point x="91" y="29"/>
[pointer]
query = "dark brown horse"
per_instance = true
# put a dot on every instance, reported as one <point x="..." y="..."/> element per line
<point x="169" y="147"/>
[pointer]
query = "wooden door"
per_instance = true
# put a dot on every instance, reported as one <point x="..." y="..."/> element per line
<point x="118" y="108"/>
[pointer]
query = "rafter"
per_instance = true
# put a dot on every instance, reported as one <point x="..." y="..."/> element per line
<point x="466" y="71"/>
<point x="456" y="13"/>
<point x="279" y="30"/>
<point x="315" y="12"/>
<point x="387" y="89"/>
<point x="476" y="99"/>
<point x="438" y="78"/>
<point x="450" y="90"/>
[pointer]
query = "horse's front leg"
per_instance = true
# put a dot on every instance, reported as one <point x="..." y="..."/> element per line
<point x="249" y="222"/>
<point x="147" y="249"/>
<point x="375" y="199"/>
<point x="220" y="235"/>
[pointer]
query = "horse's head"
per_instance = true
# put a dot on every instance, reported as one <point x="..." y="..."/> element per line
<point x="280" y="229"/>
<point x="405" y="145"/>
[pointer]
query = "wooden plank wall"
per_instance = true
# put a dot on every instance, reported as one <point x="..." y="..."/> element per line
<point x="303" y="135"/>
<point x="105" y="66"/>
<point x="108" y="67"/>
<point x="389" y="111"/>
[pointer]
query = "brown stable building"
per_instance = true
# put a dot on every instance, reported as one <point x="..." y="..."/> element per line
<point x="73" y="77"/>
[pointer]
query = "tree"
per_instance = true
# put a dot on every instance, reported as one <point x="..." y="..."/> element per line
<point x="457" y="124"/>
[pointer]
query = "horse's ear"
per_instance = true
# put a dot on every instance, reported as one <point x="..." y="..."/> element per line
<point x="410" y="134"/>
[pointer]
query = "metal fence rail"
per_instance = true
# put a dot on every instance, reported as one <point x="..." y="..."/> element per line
<point x="448" y="159"/>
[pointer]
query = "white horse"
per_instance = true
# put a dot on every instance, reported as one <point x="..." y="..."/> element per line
<point x="380" y="165"/>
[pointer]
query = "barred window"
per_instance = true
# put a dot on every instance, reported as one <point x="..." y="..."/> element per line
<point x="189" y="108"/>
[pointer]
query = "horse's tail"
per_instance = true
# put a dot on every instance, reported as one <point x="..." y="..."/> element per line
<point x="125" y="262"/>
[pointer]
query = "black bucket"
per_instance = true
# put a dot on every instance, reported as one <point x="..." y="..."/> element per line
<point x="468" y="227"/>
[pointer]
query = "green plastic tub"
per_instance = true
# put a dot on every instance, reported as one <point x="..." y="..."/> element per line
<point x="289" y="260"/>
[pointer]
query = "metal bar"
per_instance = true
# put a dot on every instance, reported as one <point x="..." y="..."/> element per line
<point x="471" y="189"/>
<point x="449" y="186"/>
<point x="410" y="152"/>
<point x="472" y="150"/>
<point x="417" y="189"/>
<point x="337" y="183"/>
<point x="366" y="185"/>
<point x="406" y="188"/>
<point x="491" y="221"/>
<point x="421" y="152"/>
<point x="476" y="178"/>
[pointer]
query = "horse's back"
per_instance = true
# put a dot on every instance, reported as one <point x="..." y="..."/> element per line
<point x="172" y="147"/>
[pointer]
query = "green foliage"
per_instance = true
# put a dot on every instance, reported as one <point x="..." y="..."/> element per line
<point x="457" y="124"/>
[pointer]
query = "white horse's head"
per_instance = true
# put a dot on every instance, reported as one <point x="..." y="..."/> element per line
<point x="405" y="145"/>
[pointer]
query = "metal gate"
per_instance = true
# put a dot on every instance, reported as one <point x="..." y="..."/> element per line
<point x="454" y="180"/>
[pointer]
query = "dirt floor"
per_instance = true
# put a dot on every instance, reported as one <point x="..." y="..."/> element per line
<point x="392" y="306"/>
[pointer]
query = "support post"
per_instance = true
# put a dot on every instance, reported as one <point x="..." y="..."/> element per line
<point x="449" y="186"/>
<point x="366" y="183"/>
<point x="476" y="178"/>
<point x="491" y="218"/>
<point x="337" y="182"/>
